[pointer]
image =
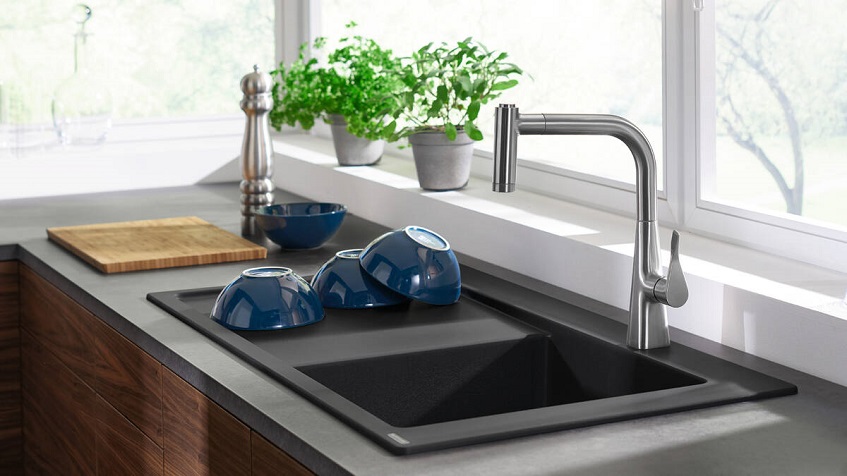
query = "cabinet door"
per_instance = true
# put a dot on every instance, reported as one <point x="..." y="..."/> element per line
<point x="11" y="460"/>
<point x="126" y="376"/>
<point x="59" y="323"/>
<point x="201" y="438"/>
<point x="58" y="411"/>
<point x="122" y="448"/>
<point x="130" y="380"/>
<point x="268" y="460"/>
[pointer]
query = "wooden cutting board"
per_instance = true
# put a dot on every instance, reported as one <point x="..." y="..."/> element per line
<point x="154" y="244"/>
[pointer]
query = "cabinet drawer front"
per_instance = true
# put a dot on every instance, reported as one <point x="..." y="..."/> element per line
<point x="118" y="370"/>
<point x="200" y="436"/>
<point x="59" y="323"/>
<point x="130" y="380"/>
<point x="59" y="418"/>
<point x="268" y="460"/>
<point x="122" y="448"/>
<point x="10" y="371"/>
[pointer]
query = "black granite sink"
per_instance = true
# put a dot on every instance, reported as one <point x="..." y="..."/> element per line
<point x="503" y="362"/>
<point x="436" y="386"/>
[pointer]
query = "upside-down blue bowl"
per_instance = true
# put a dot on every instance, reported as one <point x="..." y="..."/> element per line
<point x="300" y="225"/>
<point x="341" y="283"/>
<point x="267" y="298"/>
<point x="415" y="262"/>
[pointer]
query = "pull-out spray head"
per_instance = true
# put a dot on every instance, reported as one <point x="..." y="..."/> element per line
<point x="505" y="147"/>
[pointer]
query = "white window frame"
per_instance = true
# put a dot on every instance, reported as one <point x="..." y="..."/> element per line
<point x="800" y="239"/>
<point x="689" y="131"/>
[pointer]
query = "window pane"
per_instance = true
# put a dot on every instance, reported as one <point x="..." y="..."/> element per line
<point x="156" y="57"/>
<point x="584" y="57"/>
<point x="781" y="107"/>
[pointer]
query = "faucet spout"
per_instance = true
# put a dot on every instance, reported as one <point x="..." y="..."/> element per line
<point x="648" y="327"/>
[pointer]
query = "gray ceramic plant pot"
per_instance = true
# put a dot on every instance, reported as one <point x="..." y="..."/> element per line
<point x="352" y="150"/>
<point x="442" y="164"/>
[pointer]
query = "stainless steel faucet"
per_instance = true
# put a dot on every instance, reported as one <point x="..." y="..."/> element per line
<point x="648" y="322"/>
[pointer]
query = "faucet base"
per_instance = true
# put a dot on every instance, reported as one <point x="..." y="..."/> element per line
<point x="652" y="330"/>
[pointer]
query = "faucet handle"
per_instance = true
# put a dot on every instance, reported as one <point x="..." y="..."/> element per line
<point x="672" y="289"/>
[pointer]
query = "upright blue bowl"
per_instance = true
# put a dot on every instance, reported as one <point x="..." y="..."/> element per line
<point x="415" y="262"/>
<point x="300" y="225"/>
<point x="342" y="283"/>
<point x="267" y="298"/>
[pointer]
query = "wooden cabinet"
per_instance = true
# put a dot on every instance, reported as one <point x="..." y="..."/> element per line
<point x="95" y="403"/>
<point x="268" y="460"/>
<point x="121" y="447"/>
<point x="91" y="399"/>
<point x="59" y="411"/>
<point x="59" y="323"/>
<point x="130" y="380"/>
<point x="10" y="371"/>
<point x="201" y="437"/>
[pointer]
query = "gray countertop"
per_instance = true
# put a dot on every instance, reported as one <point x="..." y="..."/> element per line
<point x="802" y="434"/>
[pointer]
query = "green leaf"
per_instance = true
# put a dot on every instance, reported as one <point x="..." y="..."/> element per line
<point x="450" y="131"/>
<point x="388" y="130"/>
<point x="466" y="84"/>
<point x="504" y="85"/>
<point x="472" y="131"/>
<point x="473" y="110"/>
<point x="479" y="85"/>
<point x="435" y="108"/>
<point x="442" y="93"/>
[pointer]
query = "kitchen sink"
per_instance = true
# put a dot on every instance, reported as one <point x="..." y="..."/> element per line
<point x="503" y="362"/>
<point x="436" y="386"/>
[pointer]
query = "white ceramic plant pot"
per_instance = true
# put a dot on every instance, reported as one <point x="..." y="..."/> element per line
<point x="442" y="164"/>
<point x="352" y="150"/>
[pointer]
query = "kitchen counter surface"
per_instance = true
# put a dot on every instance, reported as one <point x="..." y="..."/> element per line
<point x="801" y="434"/>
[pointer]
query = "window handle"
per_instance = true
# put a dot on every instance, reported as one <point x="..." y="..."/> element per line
<point x="698" y="5"/>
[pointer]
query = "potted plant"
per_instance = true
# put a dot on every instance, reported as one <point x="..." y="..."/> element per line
<point x="355" y="93"/>
<point x="445" y="88"/>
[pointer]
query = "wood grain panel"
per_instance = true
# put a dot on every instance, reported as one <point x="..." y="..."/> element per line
<point x="58" y="411"/>
<point x="130" y="380"/>
<point x="201" y="438"/>
<point x="59" y="323"/>
<point x="154" y="244"/>
<point x="11" y="448"/>
<point x="122" y="448"/>
<point x="268" y="460"/>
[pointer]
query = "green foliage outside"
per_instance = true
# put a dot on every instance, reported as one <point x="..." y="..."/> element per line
<point x="160" y="58"/>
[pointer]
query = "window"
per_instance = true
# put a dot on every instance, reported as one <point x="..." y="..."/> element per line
<point x="579" y="56"/>
<point x="781" y="109"/>
<point x="156" y="59"/>
<point x="707" y="80"/>
<point x="772" y="117"/>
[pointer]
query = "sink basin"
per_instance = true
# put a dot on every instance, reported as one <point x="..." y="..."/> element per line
<point x="423" y="388"/>
<point x="503" y="362"/>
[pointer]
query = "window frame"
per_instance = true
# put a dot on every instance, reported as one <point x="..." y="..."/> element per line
<point x="688" y="130"/>
<point x="799" y="239"/>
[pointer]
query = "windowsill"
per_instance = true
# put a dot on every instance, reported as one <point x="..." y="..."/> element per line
<point x="777" y="309"/>
<point x="138" y="154"/>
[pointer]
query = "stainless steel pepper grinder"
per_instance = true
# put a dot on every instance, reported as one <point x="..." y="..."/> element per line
<point x="256" y="150"/>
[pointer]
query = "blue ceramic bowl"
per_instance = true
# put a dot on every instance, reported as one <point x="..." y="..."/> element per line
<point x="415" y="262"/>
<point x="300" y="225"/>
<point x="342" y="283"/>
<point x="267" y="298"/>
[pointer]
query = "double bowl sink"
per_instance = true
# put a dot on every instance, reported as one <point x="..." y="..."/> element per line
<point x="503" y="362"/>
